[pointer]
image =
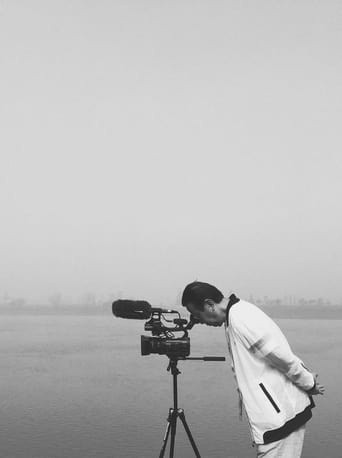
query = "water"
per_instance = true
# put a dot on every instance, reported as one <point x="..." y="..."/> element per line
<point x="76" y="386"/>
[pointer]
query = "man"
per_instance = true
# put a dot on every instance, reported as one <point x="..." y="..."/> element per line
<point x="274" y="386"/>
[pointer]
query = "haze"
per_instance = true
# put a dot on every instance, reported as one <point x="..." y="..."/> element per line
<point x="145" y="144"/>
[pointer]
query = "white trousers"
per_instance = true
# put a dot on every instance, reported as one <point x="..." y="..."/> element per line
<point x="290" y="447"/>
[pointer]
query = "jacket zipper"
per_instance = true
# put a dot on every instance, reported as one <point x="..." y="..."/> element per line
<point x="249" y="423"/>
<point x="269" y="397"/>
<point x="239" y="392"/>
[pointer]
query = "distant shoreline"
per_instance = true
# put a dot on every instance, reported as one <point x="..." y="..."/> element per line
<point x="326" y="312"/>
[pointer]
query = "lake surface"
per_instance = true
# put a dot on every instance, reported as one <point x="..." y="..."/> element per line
<point x="77" y="386"/>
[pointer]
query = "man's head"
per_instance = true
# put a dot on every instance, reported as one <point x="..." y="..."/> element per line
<point x="205" y="302"/>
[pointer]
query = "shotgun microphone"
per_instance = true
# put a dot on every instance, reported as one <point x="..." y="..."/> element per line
<point x="136" y="310"/>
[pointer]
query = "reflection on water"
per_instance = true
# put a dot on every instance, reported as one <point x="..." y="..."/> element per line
<point x="78" y="387"/>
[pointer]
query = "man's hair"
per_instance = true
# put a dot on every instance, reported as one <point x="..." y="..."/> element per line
<point x="196" y="292"/>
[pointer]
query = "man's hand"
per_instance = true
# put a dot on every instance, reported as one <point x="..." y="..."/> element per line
<point x="317" y="388"/>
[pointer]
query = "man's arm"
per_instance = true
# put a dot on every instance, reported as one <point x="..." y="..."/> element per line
<point x="266" y="340"/>
<point x="282" y="358"/>
<point x="262" y="336"/>
<point x="293" y="368"/>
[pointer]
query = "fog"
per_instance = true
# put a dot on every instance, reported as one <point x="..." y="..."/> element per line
<point x="147" y="144"/>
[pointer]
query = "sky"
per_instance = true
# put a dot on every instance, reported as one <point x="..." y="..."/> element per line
<point x="145" y="144"/>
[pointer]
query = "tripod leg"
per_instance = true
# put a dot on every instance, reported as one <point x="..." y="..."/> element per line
<point x="187" y="429"/>
<point x="173" y="432"/>
<point x="167" y="432"/>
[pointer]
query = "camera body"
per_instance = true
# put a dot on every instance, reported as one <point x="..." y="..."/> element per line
<point x="176" y="348"/>
<point x="163" y="340"/>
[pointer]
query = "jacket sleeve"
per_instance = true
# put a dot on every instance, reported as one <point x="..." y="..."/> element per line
<point x="291" y="366"/>
<point x="262" y="336"/>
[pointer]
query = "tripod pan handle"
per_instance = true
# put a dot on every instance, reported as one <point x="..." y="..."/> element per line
<point x="214" y="358"/>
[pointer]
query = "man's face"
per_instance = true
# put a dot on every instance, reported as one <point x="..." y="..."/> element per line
<point x="210" y="315"/>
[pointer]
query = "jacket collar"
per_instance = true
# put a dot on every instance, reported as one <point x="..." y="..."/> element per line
<point x="232" y="300"/>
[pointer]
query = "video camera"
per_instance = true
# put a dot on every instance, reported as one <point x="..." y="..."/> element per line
<point x="163" y="340"/>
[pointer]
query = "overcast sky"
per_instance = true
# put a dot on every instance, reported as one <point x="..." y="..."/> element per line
<point x="145" y="144"/>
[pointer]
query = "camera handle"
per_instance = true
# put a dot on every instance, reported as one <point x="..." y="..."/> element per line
<point x="175" y="412"/>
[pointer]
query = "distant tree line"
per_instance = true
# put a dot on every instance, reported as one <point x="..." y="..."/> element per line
<point x="89" y="303"/>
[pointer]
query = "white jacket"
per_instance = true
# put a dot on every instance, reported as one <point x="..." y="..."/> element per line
<point x="272" y="380"/>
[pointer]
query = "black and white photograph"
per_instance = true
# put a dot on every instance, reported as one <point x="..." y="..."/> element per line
<point x="170" y="231"/>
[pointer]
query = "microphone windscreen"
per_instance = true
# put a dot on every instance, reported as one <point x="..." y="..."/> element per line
<point x="136" y="310"/>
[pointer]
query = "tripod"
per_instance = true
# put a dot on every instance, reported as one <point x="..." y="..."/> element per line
<point x="176" y="412"/>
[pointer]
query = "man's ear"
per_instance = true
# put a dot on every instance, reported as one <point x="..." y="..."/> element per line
<point x="209" y="304"/>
